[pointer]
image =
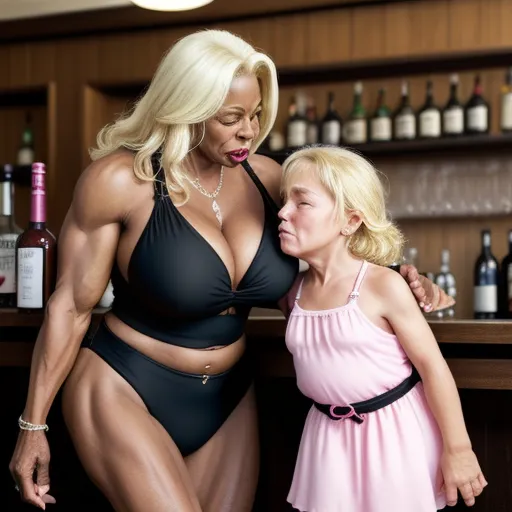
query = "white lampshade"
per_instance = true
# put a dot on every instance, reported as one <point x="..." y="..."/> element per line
<point x="170" y="5"/>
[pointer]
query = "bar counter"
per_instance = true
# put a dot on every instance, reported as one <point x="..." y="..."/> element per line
<point x="479" y="352"/>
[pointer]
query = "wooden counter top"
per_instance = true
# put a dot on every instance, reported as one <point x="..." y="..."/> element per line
<point x="479" y="352"/>
<point x="446" y="331"/>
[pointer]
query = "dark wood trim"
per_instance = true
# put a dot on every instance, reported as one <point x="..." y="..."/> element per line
<point x="130" y="19"/>
<point x="396" y="67"/>
<point x="433" y="146"/>
<point x="446" y="331"/>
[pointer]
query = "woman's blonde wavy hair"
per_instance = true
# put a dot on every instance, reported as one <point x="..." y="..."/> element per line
<point x="188" y="88"/>
<point x="355" y="185"/>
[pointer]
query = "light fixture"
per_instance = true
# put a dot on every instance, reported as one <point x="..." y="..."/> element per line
<point x="170" y="5"/>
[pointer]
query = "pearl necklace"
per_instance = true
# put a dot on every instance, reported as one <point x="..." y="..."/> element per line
<point x="212" y="195"/>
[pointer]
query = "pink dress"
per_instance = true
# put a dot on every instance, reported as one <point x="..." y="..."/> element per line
<point x="390" y="462"/>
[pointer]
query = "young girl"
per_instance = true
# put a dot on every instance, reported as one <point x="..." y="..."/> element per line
<point x="376" y="439"/>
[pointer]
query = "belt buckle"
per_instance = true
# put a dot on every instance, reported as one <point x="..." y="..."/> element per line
<point x="350" y="414"/>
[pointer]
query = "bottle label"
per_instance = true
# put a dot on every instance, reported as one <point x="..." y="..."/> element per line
<point x="7" y="263"/>
<point x="356" y="131"/>
<point x="430" y="123"/>
<point x="453" y="121"/>
<point x="331" y="132"/>
<point x="30" y="277"/>
<point x="25" y="156"/>
<point x="486" y="299"/>
<point x="477" y="118"/>
<point x="506" y="111"/>
<point x="405" y="126"/>
<point x="381" y="128"/>
<point x="312" y="134"/>
<point x="297" y="131"/>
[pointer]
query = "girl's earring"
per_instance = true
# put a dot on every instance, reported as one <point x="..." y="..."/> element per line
<point x="344" y="232"/>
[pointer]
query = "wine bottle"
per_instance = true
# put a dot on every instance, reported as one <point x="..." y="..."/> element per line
<point x="506" y="282"/>
<point x="26" y="150"/>
<point x="486" y="281"/>
<point x="477" y="111"/>
<point x="312" y="131"/>
<point x="9" y="233"/>
<point x="297" y="125"/>
<point x="453" y="112"/>
<point x="355" y="129"/>
<point x="36" y="250"/>
<point x="446" y="281"/>
<point x="405" y="119"/>
<point x="380" y="123"/>
<point x="429" y="116"/>
<point x="506" y="103"/>
<point x="331" y="124"/>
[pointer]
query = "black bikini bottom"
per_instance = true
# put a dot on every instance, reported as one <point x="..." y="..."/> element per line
<point x="189" y="410"/>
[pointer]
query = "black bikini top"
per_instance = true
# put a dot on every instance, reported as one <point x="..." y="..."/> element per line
<point x="178" y="286"/>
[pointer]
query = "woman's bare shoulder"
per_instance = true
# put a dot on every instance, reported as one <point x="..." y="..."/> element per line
<point x="109" y="186"/>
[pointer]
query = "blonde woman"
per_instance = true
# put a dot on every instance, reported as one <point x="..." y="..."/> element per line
<point x="159" y="401"/>
<point x="376" y="438"/>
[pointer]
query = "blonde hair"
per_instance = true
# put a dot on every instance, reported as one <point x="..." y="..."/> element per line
<point x="354" y="184"/>
<point x="188" y="88"/>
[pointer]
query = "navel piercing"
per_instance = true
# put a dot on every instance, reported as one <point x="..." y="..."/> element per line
<point x="205" y="376"/>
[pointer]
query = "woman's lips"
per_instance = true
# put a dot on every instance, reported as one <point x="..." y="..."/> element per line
<point x="239" y="155"/>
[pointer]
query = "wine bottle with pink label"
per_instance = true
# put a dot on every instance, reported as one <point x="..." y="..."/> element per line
<point x="36" y="250"/>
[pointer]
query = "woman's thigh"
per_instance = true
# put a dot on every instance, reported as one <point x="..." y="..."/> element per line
<point x="124" y="450"/>
<point x="224" y="471"/>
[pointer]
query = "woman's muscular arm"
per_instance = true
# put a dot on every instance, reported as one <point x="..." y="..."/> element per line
<point x="87" y="247"/>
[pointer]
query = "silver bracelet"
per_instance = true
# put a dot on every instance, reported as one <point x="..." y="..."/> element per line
<point x="25" y="425"/>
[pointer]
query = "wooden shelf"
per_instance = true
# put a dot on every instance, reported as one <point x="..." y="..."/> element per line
<point x="40" y="102"/>
<point x="394" y="67"/>
<point x="397" y="148"/>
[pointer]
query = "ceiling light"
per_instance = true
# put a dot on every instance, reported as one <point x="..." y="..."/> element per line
<point x="171" y="5"/>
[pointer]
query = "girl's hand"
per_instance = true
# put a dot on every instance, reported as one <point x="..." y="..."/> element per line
<point x="462" y="472"/>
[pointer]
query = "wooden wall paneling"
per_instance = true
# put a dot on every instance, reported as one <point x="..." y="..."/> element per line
<point x="42" y="62"/>
<point x="289" y="40"/>
<point x="465" y="25"/>
<point x="89" y="54"/>
<point x="491" y="28"/>
<point x="51" y="133"/>
<point x="4" y="64"/>
<point x="398" y="30"/>
<point x="69" y="72"/>
<point x="368" y="32"/>
<point x="329" y="36"/>
<point x="128" y="57"/>
<point x="19" y="65"/>
<point x="430" y="25"/>
<point x="505" y="20"/>
<point x="259" y="33"/>
<point x="92" y="119"/>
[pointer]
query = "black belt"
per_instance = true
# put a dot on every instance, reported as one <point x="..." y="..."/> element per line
<point x="356" y="410"/>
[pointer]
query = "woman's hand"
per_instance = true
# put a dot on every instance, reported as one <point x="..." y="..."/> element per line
<point x="32" y="453"/>
<point x="429" y="296"/>
<point x="462" y="472"/>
